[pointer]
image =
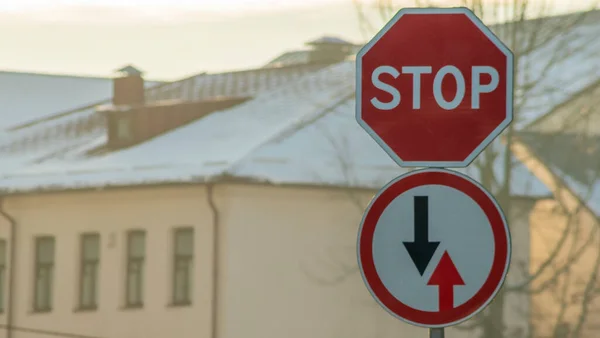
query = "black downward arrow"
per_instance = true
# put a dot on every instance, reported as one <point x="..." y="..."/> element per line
<point x="421" y="250"/>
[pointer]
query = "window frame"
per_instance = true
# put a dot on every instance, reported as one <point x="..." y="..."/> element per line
<point x="3" y="262"/>
<point x="134" y="261"/>
<point x="37" y="307"/>
<point x="85" y="262"/>
<point x="188" y="260"/>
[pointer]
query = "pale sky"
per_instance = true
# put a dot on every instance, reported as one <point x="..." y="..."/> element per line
<point x="212" y="5"/>
<point x="169" y="39"/>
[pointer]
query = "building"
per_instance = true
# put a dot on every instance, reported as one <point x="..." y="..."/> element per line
<point x="221" y="205"/>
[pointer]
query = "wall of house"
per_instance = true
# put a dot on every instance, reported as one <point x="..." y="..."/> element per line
<point x="291" y="268"/>
<point x="565" y="260"/>
<point x="112" y="213"/>
<point x="287" y="264"/>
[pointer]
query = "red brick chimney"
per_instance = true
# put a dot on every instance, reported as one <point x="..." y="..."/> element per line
<point x="128" y="87"/>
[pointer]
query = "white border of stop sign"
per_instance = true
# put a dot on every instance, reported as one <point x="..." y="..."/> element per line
<point x="416" y="72"/>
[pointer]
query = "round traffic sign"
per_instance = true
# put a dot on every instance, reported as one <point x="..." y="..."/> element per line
<point x="433" y="247"/>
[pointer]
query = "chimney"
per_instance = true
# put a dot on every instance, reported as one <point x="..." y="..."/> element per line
<point x="328" y="49"/>
<point x="128" y="87"/>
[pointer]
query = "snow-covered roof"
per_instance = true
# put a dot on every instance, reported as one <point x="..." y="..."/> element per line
<point x="27" y="96"/>
<point x="563" y="130"/>
<point x="56" y="94"/>
<point x="588" y="193"/>
<point x="40" y="140"/>
<point x="303" y="133"/>
<point x="552" y="74"/>
<point x="208" y="145"/>
<point x="334" y="150"/>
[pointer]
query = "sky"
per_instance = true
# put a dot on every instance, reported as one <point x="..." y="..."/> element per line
<point x="169" y="39"/>
<point x="218" y="6"/>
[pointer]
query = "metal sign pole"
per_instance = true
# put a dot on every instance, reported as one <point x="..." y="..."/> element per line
<point x="436" y="333"/>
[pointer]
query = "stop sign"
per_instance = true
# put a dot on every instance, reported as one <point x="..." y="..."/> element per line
<point x="434" y="87"/>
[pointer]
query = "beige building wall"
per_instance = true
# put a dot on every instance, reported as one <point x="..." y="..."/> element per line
<point x="566" y="290"/>
<point x="287" y="264"/>
<point x="112" y="213"/>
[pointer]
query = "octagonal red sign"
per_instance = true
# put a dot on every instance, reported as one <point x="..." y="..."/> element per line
<point x="434" y="87"/>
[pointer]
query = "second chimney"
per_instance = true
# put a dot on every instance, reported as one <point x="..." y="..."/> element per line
<point x="128" y="87"/>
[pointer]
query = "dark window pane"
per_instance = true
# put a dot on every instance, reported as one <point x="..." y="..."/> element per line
<point x="181" y="284"/>
<point x="90" y="255"/>
<point x="88" y="285"/>
<point x="134" y="286"/>
<point x="2" y="276"/>
<point x="91" y="247"/>
<point x="184" y="242"/>
<point x="44" y="276"/>
<point x="135" y="272"/>
<point x="2" y="252"/>
<point x="182" y="265"/>
<point x="2" y="272"/>
<point x="45" y="250"/>
<point x="137" y="245"/>
<point x="43" y="297"/>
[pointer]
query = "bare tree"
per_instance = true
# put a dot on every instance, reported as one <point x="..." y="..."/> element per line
<point x="564" y="274"/>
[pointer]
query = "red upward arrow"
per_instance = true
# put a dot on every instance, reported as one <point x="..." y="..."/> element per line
<point x="446" y="276"/>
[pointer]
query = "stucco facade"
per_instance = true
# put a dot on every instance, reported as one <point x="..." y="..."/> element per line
<point x="282" y="253"/>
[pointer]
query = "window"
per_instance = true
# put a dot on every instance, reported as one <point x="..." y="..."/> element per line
<point x="88" y="275"/>
<point x="123" y="128"/>
<point x="183" y="253"/>
<point x="136" y="250"/>
<point x="44" y="273"/>
<point x="2" y="272"/>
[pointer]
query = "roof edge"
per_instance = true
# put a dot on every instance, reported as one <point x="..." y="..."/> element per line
<point x="215" y="180"/>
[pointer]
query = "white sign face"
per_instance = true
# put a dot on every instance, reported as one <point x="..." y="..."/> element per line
<point x="434" y="248"/>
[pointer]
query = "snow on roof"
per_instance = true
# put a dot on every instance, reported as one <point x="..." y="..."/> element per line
<point x="303" y="133"/>
<point x="334" y="150"/>
<point x="44" y="141"/>
<point x="27" y="96"/>
<point x="576" y="56"/>
<point x="206" y="147"/>
<point x="51" y="137"/>
<point x="557" y="71"/>
<point x="589" y="194"/>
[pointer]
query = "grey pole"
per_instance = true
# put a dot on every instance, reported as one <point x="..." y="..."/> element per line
<point x="436" y="333"/>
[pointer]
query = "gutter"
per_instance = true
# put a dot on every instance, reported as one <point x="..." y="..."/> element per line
<point x="216" y="226"/>
<point x="11" y="269"/>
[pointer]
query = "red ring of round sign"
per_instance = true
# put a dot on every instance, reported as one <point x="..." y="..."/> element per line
<point x="501" y="255"/>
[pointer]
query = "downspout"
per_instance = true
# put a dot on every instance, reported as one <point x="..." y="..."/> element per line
<point x="215" y="259"/>
<point x="11" y="269"/>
